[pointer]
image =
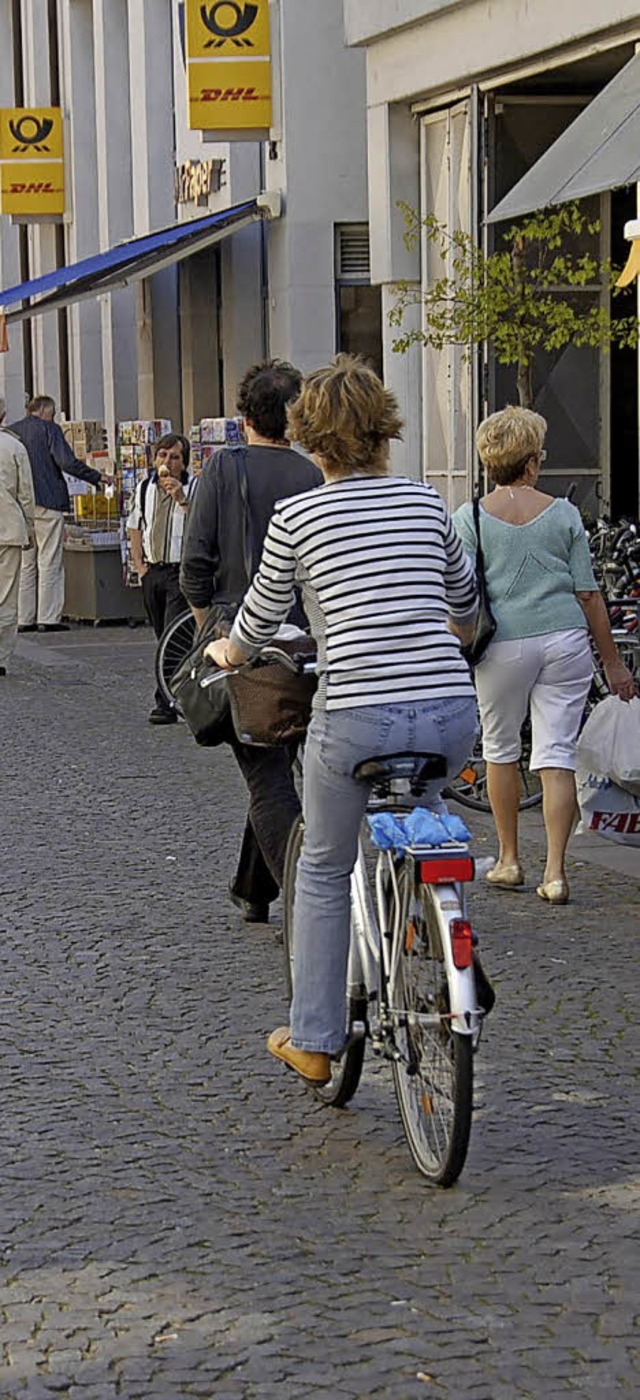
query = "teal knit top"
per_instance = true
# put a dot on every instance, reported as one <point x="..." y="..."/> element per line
<point x="533" y="571"/>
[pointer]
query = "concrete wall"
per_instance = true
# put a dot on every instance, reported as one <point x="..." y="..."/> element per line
<point x="321" y="169"/>
<point x="11" y="370"/>
<point x="447" y="48"/>
<point x="370" y="19"/>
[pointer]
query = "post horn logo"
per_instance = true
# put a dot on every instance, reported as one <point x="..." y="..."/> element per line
<point x="30" y="133"/>
<point x="243" y="18"/>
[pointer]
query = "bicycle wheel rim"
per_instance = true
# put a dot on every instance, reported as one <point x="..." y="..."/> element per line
<point x="175" y="643"/>
<point x="434" y="1077"/>
<point x="469" y="787"/>
<point x="345" y="1072"/>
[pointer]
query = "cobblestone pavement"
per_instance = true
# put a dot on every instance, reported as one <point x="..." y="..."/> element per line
<point x="179" y="1216"/>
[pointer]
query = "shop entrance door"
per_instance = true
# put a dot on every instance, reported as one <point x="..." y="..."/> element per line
<point x="571" y="386"/>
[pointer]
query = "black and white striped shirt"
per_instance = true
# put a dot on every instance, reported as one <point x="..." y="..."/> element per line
<point x="381" y="569"/>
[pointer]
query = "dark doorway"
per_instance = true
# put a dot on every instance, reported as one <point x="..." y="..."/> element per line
<point x="624" y="377"/>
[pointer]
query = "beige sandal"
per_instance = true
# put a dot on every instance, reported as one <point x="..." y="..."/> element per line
<point x="554" y="892"/>
<point x="506" y="877"/>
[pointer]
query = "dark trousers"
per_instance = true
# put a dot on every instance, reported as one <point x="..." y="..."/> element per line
<point x="163" y="602"/>
<point x="273" y="807"/>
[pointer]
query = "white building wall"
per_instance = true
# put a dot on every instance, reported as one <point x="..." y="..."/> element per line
<point x="83" y="231"/>
<point x="321" y="169"/>
<point x="422" y="45"/>
<point x="41" y="237"/>
<point x="152" y="130"/>
<point x="115" y="205"/>
<point x="11" y="370"/>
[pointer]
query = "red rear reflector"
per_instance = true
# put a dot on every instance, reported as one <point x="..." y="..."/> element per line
<point x="446" y="870"/>
<point x="461" y="942"/>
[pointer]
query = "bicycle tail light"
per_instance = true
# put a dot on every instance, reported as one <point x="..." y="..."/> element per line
<point x="446" y="870"/>
<point x="461" y="942"/>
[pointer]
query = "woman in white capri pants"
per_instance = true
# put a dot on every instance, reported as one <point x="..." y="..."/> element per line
<point x="545" y="600"/>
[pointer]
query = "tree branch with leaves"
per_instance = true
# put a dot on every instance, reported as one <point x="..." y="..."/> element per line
<point x="526" y="296"/>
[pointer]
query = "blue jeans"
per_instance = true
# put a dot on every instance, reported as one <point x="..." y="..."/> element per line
<point x="333" y="805"/>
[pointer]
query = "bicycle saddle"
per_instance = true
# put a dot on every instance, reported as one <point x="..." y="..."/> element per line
<point x="418" y="768"/>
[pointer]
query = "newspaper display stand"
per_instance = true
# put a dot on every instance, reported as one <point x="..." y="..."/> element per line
<point x="93" y="590"/>
<point x="136" y="439"/>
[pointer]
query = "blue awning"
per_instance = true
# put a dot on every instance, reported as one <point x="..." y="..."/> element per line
<point x="138" y="257"/>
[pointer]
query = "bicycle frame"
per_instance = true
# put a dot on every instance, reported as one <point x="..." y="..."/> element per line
<point x="376" y="949"/>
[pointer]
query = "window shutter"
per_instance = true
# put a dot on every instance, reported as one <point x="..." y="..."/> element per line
<point x="352" y="252"/>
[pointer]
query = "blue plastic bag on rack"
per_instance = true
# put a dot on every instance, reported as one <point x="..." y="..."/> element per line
<point x="420" y="828"/>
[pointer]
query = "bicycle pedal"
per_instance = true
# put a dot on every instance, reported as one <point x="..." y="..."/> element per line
<point x="358" y="1033"/>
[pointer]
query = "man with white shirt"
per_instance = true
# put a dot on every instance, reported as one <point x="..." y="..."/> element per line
<point x="156" y="527"/>
<point x="17" y="506"/>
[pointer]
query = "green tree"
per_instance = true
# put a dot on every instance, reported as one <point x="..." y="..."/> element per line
<point x="518" y="298"/>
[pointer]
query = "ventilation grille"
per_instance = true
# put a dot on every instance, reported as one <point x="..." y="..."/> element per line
<point x="352" y="252"/>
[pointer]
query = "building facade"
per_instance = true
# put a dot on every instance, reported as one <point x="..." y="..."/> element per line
<point x="463" y="98"/>
<point x="173" y="344"/>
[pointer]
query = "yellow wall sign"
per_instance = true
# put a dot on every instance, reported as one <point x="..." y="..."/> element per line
<point x="229" y="65"/>
<point x="31" y="161"/>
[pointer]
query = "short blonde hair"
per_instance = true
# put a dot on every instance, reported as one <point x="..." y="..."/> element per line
<point x="346" y="416"/>
<point x="506" y="441"/>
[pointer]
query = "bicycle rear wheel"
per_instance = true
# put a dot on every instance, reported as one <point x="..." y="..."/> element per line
<point x="434" y="1077"/>
<point x="345" y="1072"/>
<point x="175" y="643"/>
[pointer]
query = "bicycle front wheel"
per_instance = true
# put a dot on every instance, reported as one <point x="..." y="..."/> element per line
<point x="175" y="643"/>
<point x="345" y="1072"/>
<point x="434" y="1076"/>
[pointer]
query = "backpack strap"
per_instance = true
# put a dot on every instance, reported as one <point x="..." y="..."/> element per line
<point x="144" y="487"/>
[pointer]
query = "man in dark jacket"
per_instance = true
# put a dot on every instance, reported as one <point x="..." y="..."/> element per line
<point x="41" y="597"/>
<point x="213" y="564"/>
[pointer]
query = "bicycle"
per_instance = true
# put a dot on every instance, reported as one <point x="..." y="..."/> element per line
<point x="469" y="787"/>
<point x="411" y="984"/>
<point x="175" y="644"/>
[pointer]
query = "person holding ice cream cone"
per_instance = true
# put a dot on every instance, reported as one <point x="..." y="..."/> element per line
<point x="156" y="527"/>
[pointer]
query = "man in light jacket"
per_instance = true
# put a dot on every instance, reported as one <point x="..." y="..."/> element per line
<point x="17" y="506"/>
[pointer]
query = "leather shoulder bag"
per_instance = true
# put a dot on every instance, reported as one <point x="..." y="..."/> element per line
<point x="486" y="624"/>
<point x="198" y="687"/>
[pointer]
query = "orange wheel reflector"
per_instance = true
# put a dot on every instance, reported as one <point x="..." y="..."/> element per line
<point x="469" y="775"/>
<point x="409" y="936"/>
<point x="427" y="1104"/>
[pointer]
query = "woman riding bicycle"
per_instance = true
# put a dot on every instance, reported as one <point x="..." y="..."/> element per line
<point x="385" y="583"/>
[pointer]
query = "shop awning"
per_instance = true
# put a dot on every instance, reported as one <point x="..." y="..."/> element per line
<point x="126" y="262"/>
<point x="599" y="151"/>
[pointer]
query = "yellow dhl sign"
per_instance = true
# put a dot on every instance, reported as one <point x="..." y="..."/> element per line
<point x="33" y="189"/>
<point x="30" y="133"/>
<point x="228" y="29"/>
<point x="228" y="65"/>
<point x="230" y="96"/>
<point x="31" y="161"/>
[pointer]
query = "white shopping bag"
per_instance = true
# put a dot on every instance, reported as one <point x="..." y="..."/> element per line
<point x="610" y="743"/>
<point x="608" y="809"/>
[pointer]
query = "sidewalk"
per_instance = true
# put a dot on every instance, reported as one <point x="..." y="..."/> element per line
<point x="180" y="1216"/>
<point x="620" y="860"/>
